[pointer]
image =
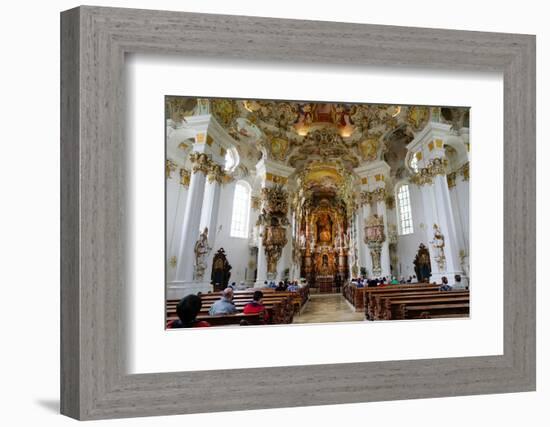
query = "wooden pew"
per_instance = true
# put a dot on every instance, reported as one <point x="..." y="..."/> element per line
<point x="357" y="296"/>
<point x="403" y="307"/>
<point x="374" y="307"/>
<point x="228" y="319"/>
<point x="436" y="311"/>
<point x="278" y="304"/>
<point x="372" y="294"/>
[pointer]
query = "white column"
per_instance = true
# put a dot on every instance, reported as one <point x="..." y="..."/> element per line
<point x="445" y="217"/>
<point x="385" y="263"/>
<point x="190" y="229"/>
<point x="209" y="218"/>
<point x="455" y="203"/>
<point x="210" y="207"/>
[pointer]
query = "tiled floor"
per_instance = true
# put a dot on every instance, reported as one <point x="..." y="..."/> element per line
<point x="327" y="308"/>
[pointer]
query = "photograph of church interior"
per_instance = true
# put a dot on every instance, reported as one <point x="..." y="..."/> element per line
<point x="293" y="212"/>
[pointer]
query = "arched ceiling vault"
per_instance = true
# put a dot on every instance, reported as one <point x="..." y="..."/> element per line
<point x="323" y="142"/>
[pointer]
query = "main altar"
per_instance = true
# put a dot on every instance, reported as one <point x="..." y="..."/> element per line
<point x="325" y="252"/>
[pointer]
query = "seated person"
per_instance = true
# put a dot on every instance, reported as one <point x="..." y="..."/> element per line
<point x="242" y="286"/>
<point x="187" y="310"/>
<point x="281" y="287"/>
<point x="256" y="305"/>
<point x="272" y="285"/>
<point x="225" y="304"/>
<point x="445" y="285"/>
<point x="232" y="285"/>
<point x="394" y="281"/>
<point x="293" y="287"/>
<point x="382" y="283"/>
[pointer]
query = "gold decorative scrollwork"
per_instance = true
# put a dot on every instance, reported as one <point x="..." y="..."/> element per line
<point x="425" y="175"/>
<point x="379" y="195"/>
<point x="185" y="177"/>
<point x="178" y="107"/>
<point x="465" y="171"/>
<point x="225" y="110"/>
<point x="215" y="173"/>
<point x="437" y="166"/>
<point x="417" y="117"/>
<point x="201" y="162"/>
<point x="451" y="180"/>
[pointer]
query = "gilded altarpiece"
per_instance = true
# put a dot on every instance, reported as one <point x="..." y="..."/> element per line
<point x="324" y="260"/>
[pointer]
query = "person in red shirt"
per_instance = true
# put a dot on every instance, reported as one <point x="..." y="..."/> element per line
<point x="256" y="305"/>
<point x="187" y="310"/>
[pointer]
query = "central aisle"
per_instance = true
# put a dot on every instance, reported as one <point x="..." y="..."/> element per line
<point x="327" y="308"/>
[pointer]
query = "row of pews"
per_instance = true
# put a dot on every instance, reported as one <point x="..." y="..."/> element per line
<point x="355" y="295"/>
<point x="281" y="307"/>
<point x="408" y="301"/>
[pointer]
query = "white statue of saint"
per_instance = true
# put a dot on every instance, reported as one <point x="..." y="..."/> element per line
<point x="438" y="243"/>
<point x="201" y="252"/>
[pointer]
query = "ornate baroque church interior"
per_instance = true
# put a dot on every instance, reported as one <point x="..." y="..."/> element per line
<point x="335" y="212"/>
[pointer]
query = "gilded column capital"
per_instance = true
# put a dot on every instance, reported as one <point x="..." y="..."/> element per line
<point x="379" y="195"/>
<point x="366" y="197"/>
<point x="436" y="166"/>
<point x="200" y="161"/>
<point x="421" y="178"/>
<point x="215" y="173"/>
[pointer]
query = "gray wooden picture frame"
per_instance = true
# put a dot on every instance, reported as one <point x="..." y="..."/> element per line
<point x="94" y="41"/>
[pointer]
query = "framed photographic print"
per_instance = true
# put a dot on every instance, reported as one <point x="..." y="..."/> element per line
<point x="324" y="212"/>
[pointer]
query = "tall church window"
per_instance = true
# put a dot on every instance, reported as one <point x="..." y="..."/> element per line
<point x="241" y="210"/>
<point x="404" y="210"/>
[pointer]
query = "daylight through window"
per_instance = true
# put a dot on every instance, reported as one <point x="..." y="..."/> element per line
<point x="404" y="209"/>
<point x="241" y="208"/>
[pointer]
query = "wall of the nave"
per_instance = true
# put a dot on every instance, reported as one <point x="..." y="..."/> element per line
<point x="176" y="197"/>
<point x="407" y="245"/>
<point x="236" y="249"/>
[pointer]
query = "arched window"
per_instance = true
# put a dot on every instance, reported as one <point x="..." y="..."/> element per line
<point x="404" y="210"/>
<point x="241" y="210"/>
